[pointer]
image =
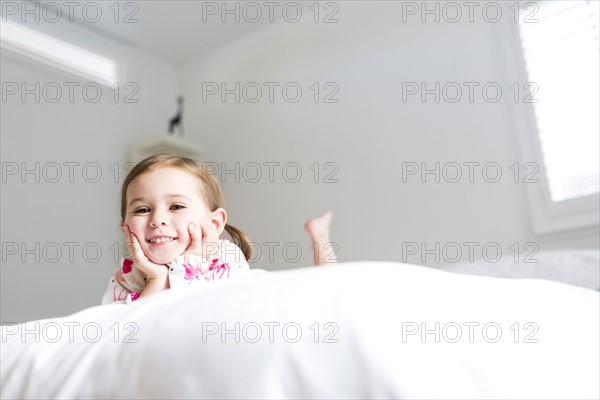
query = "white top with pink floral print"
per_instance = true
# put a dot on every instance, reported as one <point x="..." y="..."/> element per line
<point x="127" y="282"/>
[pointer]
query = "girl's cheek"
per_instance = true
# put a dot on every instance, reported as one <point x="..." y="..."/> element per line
<point x="186" y="241"/>
<point x="135" y="228"/>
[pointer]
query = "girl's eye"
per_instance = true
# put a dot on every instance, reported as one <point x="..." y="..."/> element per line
<point x="142" y="210"/>
<point x="177" y="207"/>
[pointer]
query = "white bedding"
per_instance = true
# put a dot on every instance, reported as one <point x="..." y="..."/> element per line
<point x="573" y="266"/>
<point x="372" y="304"/>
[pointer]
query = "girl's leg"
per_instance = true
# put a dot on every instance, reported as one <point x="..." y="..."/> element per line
<point x="318" y="229"/>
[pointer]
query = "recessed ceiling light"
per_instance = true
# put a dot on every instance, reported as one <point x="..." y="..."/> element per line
<point x="57" y="52"/>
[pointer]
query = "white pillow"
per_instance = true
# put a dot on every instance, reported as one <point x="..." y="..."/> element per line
<point x="573" y="266"/>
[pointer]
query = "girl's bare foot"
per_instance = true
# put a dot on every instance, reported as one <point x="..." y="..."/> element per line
<point x="318" y="229"/>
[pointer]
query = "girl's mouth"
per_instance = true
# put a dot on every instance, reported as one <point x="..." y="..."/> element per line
<point x="161" y="239"/>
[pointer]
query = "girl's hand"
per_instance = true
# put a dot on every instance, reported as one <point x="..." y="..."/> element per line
<point x="204" y="241"/>
<point x="151" y="269"/>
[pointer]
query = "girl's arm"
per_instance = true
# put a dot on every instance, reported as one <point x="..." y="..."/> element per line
<point x="128" y="283"/>
<point x="139" y="278"/>
<point x="124" y="286"/>
<point x="191" y="269"/>
<point x="155" y="276"/>
<point x="155" y="285"/>
<point x="207" y="259"/>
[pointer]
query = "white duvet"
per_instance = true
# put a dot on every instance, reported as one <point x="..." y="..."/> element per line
<point x="352" y="330"/>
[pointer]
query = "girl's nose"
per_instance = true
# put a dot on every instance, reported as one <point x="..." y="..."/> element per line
<point x="158" y="220"/>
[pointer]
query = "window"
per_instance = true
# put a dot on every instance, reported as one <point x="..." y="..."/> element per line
<point x="561" y="57"/>
<point x="59" y="53"/>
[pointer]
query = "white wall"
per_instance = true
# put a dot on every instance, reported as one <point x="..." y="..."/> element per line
<point x="82" y="212"/>
<point x="368" y="134"/>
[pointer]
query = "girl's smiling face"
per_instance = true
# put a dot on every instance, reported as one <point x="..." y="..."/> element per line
<point x="161" y="204"/>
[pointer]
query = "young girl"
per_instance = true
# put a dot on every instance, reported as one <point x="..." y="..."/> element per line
<point x="172" y="217"/>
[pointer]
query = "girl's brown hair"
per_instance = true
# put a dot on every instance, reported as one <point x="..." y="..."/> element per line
<point x="209" y="187"/>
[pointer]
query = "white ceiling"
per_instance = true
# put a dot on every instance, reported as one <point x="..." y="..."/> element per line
<point x="172" y="30"/>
